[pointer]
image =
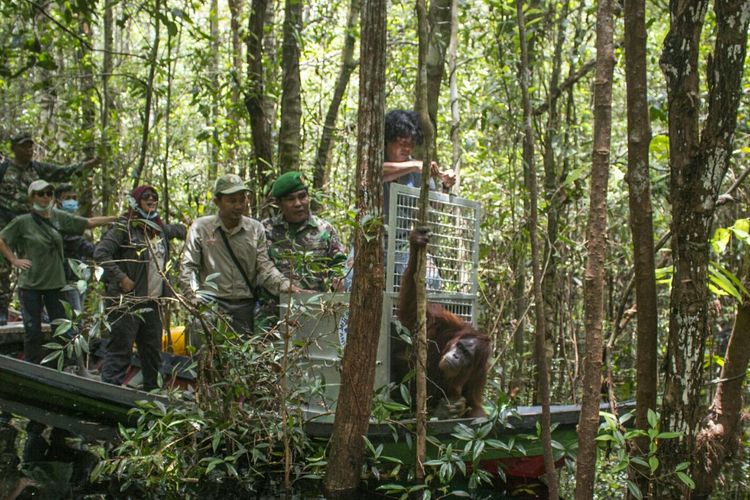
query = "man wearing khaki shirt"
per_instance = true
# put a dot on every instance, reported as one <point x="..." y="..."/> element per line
<point x="207" y="256"/>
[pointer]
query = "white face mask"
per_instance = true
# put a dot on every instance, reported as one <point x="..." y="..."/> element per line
<point x="42" y="208"/>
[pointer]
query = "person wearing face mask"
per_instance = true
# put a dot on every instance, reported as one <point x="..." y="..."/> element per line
<point x="75" y="246"/>
<point x="134" y="255"/>
<point x="33" y="244"/>
<point x="16" y="173"/>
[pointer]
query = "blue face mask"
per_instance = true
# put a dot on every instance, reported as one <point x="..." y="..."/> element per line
<point x="70" y="206"/>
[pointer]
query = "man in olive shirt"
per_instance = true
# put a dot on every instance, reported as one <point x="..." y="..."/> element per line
<point x="206" y="253"/>
<point x="16" y="175"/>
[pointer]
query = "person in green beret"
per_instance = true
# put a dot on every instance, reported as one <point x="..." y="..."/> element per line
<point x="304" y="247"/>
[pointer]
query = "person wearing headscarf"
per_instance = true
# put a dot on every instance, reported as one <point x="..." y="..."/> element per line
<point x="33" y="243"/>
<point x="134" y="254"/>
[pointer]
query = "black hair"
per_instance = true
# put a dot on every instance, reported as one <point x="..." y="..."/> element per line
<point x="400" y="123"/>
<point x="63" y="188"/>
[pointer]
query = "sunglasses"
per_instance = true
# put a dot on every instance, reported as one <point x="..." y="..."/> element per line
<point x="150" y="196"/>
<point x="49" y="193"/>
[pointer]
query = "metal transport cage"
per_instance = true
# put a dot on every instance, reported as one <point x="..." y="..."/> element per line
<point x="321" y="318"/>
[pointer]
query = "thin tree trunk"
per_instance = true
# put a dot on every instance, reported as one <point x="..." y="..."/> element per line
<point x="233" y="128"/>
<point x="596" y="238"/>
<point x="697" y="170"/>
<point x="719" y="439"/>
<point x="167" y="125"/>
<point x="152" y="60"/>
<point x="438" y="33"/>
<point x="213" y="146"/>
<point x="88" y="111"/>
<point x="260" y="122"/>
<point x="420" y="335"/>
<point x="366" y="303"/>
<point x="540" y="336"/>
<point x="107" y="105"/>
<point x="453" y="85"/>
<point x="552" y="179"/>
<point x="320" y="177"/>
<point x="641" y="221"/>
<point x="291" y="106"/>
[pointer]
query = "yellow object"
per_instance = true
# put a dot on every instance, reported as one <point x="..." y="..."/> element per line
<point x="178" y="340"/>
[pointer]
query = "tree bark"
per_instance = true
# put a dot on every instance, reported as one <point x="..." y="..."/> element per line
<point x="552" y="180"/>
<point x="420" y="335"/>
<point x="260" y="122"/>
<point x="88" y="112"/>
<point x="366" y="303"/>
<point x="719" y="439"/>
<point x="233" y="128"/>
<point x="641" y="221"/>
<point x="439" y="33"/>
<point x="596" y="237"/>
<point x="698" y="167"/>
<point x="453" y="85"/>
<point x="320" y="177"/>
<point x="540" y="336"/>
<point x="215" y="62"/>
<point x="152" y="61"/>
<point x="291" y="106"/>
<point x="107" y="104"/>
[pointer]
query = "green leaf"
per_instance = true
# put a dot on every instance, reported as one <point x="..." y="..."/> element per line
<point x="686" y="479"/>
<point x="720" y="240"/>
<point x="652" y="417"/>
<point x="633" y="489"/>
<point x="669" y="435"/>
<point x="653" y="463"/>
<point x="724" y="284"/>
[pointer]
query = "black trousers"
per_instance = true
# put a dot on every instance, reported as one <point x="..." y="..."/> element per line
<point x="33" y="303"/>
<point x="140" y="325"/>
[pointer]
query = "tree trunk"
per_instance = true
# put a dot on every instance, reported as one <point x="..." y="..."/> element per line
<point x="439" y="33"/>
<point x="453" y="85"/>
<point x="552" y="180"/>
<point x="641" y="222"/>
<point x="260" y="122"/>
<point x="719" y="439"/>
<point x="233" y="127"/>
<point x="366" y="303"/>
<point x="531" y="185"/>
<point x="88" y="112"/>
<point x="152" y="61"/>
<point x="291" y="106"/>
<point x="419" y="337"/>
<point x="596" y="237"/>
<point x="215" y="62"/>
<point x="697" y="170"/>
<point x="320" y="177"/>
<point x="107" y="105"/>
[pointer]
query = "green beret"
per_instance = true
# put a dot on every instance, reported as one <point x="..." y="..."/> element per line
<point x="288" y="183"/>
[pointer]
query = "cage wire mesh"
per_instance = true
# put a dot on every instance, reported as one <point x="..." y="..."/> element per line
<point x="453" y="252"/>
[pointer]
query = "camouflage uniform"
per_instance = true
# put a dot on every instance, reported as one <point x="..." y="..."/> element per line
<point x="14" y="185"/>
<point x="314" y="248"/>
